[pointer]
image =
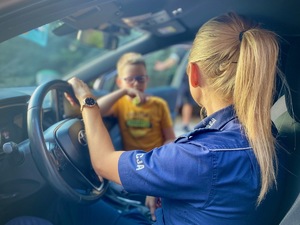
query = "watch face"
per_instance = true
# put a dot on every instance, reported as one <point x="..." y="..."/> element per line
<point x="90" y="101"/>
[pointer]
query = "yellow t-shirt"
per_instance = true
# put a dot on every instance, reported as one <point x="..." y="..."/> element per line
<point x="142" y="126"/>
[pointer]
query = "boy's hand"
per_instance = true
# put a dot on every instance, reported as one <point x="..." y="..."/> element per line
<point x="137" y="96"/>
<point x="153" y="203"/>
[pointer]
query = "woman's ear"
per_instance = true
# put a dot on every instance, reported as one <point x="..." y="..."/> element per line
<point x="194" y="75"/>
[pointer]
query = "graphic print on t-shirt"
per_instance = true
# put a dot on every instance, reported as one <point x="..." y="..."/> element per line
<point x="138" y="123"/>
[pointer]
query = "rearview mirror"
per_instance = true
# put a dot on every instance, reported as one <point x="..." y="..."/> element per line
<point x="98" y="39"/>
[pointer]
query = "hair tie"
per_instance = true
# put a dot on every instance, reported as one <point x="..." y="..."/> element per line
<point x="241" y="35"/>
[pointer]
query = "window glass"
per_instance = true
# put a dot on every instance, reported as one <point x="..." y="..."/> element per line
<point x="163" y="64"/>
<point x="157" y="77"/>
<point x="39" y="55"/>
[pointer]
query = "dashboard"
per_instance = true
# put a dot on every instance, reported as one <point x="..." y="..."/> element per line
<point x="13" y="110"/>
<point x="13" y="124"/>
<point x="20" y="179"/>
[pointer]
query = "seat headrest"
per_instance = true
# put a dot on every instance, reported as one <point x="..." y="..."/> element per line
<point x="292" y="74"/>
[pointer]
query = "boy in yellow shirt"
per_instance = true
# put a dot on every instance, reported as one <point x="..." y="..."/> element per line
<point x="145" y="121"/>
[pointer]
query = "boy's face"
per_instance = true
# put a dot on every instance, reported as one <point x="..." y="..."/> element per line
<point x="133" y="76"/>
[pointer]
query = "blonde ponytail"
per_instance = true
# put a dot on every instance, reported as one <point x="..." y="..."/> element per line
<point x="239" y="62"/>
<point x="253" y="96"/>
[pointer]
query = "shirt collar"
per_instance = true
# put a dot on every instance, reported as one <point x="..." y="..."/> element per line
<point x="218" y="119"/>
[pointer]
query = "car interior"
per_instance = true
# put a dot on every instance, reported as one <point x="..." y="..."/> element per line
<point x="287" y="123"/>
<point x="43" y="152"/>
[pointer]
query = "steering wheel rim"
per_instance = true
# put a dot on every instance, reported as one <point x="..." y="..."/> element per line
<point x="60" y="151"/>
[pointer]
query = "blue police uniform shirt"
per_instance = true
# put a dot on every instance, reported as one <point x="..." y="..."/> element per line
<point x="209" y="176"/>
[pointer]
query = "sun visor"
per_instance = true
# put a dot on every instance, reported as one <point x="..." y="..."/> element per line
<point x="92" y="17"/>
<point x="159" y="23"/>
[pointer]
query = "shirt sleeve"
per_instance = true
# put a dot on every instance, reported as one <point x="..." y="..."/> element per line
<point x="117" y="106"/>
<point x="177" y="171"/>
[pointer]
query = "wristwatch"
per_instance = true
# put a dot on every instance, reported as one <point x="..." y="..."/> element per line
<point x="88" y="102"/>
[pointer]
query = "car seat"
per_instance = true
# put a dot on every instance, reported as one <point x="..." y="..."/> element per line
<point x="286" y="117"/>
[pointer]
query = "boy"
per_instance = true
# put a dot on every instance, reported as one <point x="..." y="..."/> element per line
<point x="145" y="121"/>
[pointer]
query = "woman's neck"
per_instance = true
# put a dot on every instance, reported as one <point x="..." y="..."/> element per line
<point x="213" y="103"/>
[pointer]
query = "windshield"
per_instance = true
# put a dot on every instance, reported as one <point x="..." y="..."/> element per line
<point x="40" y="55"/>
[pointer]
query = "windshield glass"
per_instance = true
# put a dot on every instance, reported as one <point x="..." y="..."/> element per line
<point x="40" y="55"/>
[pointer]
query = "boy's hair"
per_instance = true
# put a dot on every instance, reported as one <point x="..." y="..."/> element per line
<point x="131" y="58"/>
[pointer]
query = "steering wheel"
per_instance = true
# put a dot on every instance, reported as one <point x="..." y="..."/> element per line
<point x="61" y="152"/>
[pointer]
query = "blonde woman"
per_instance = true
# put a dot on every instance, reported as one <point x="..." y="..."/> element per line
<point x="221" y="172"/>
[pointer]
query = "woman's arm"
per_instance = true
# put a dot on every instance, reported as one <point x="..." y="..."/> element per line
<point x="103" y="156"/>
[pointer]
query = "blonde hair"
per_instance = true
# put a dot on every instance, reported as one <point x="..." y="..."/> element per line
<point x="130" y="58"/>
<point x="239" y="62"/>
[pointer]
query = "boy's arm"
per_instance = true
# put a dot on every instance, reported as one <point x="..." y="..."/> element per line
<point x="106" y="102"/>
